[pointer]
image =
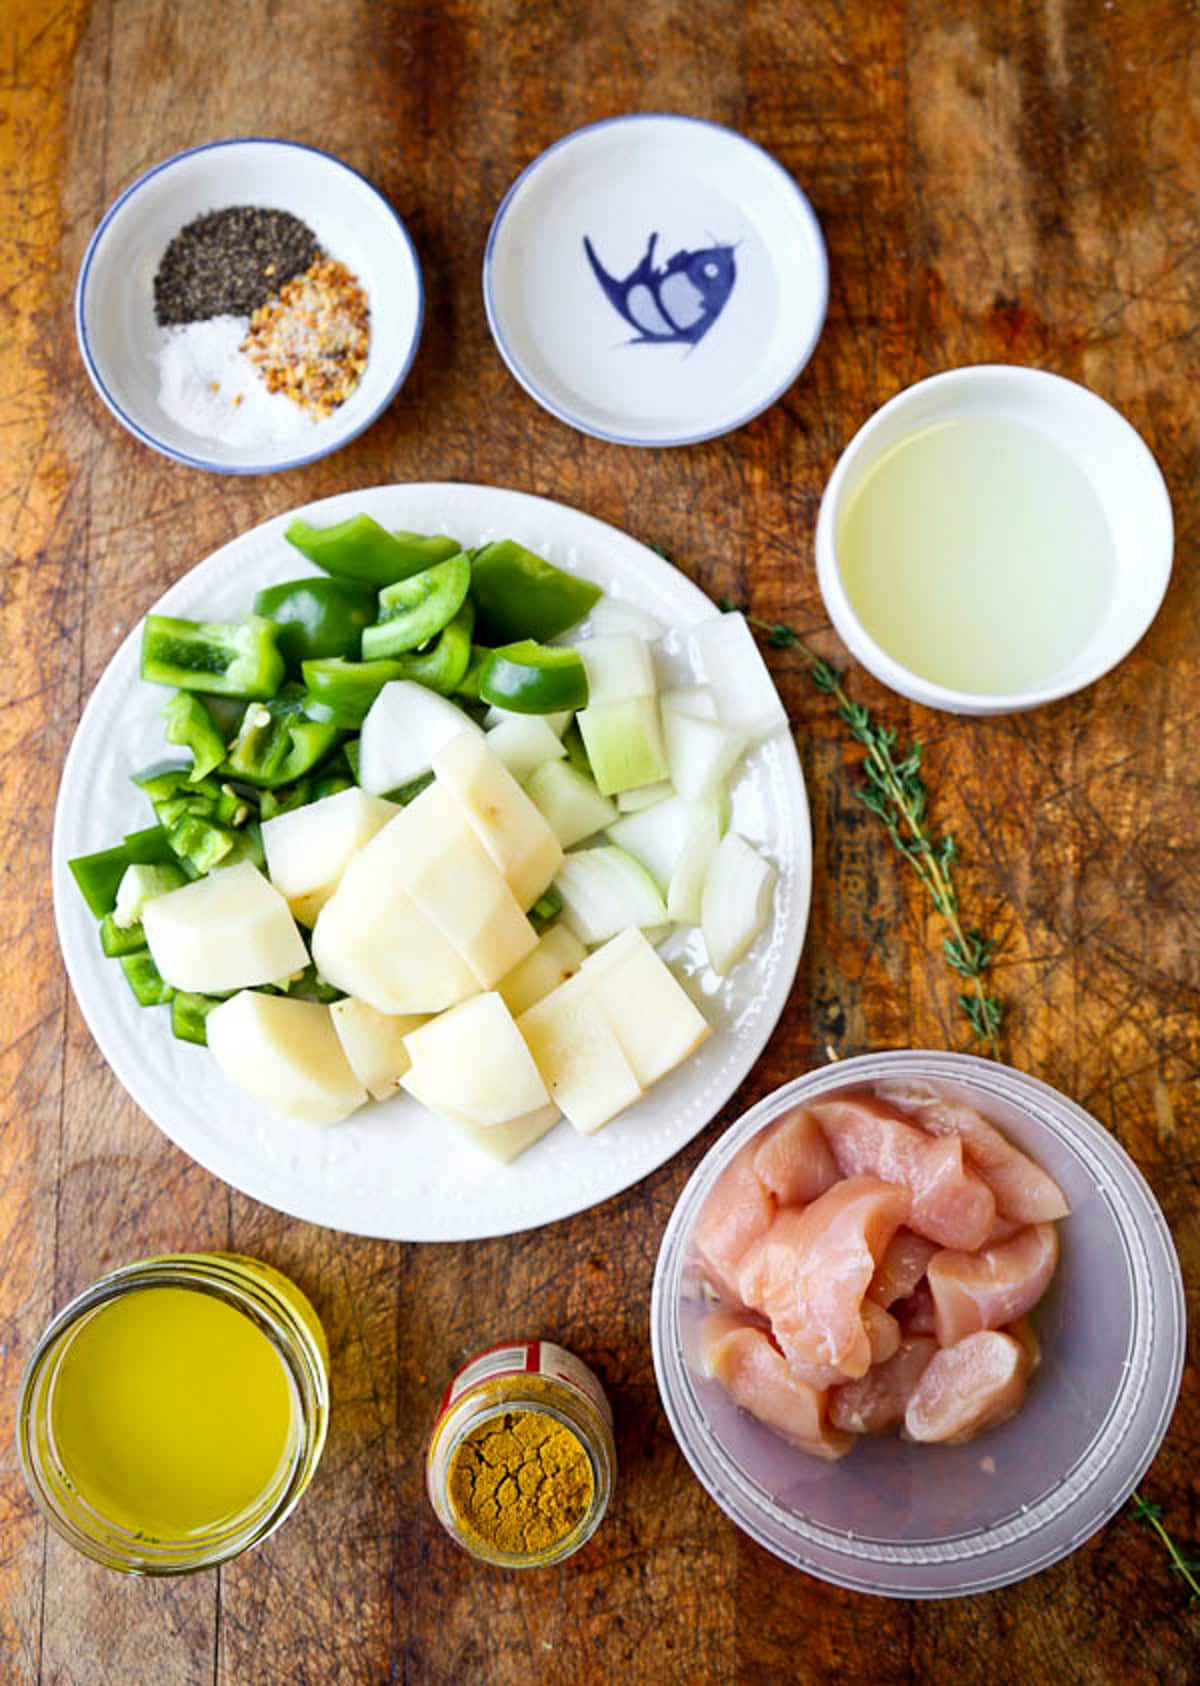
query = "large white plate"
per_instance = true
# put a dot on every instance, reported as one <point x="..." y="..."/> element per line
<point x="395" y="1170"/>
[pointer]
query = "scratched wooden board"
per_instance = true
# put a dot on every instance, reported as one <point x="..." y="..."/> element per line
<point x="996" y="183"/>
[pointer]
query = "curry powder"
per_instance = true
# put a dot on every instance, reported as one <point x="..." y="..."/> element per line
<point x="520" y="1482"/>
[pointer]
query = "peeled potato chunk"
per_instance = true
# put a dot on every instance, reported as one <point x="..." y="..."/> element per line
<point x="653" y="1017"/>
<point x="557" y="957"/>
<point x="309" y="848"/>
<point x="473" y="1063"/>
<point x="580" y="1057"/>
<point x="504" y="819"/>
<point x="230" y="930"/>
<point x="373" y="1042"/>
<point x="286" y="1054"/>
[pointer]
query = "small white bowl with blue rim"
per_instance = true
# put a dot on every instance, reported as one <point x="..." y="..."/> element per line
<point x="655" y="279"/>
<point x="119" y="338"/>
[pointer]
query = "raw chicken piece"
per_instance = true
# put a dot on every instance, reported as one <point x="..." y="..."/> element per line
<point x="809" y="1272"/>
<point x="1022" y="1189"/>
<point x="754" y="1373"/>
<point x="901" y="1268"/>
<point x="877" y="1401"/>
<point x="1024" y="1333"/>
<point x="1003" y="1229"/>
<point x="793" y="1161"/>
<point x="736" y="1213"/>
<point x="967" y="1388"/>
<point x="915" y="1313"/>
<point x="883" y="1332"/>
<point x="995" y="1286"/>
<point x="950" y="1204"/>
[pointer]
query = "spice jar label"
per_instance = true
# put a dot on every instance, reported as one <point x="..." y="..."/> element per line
<point x="528" y="1358"/>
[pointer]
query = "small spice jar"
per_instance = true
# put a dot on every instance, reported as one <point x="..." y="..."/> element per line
<point x="522" y="1459"/>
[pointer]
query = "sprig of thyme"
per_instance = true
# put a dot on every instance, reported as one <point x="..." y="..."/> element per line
<point x="894" y="791"/>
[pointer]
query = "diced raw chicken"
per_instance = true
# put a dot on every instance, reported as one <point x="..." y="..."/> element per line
<point x="754" y="1373"/>
<point x="878" y="1400"/>
<point x="793" y="1159"/>
<point x="901" y="1268"/>
<point x="883" y="1332"/>
<point x="915" y="1312"/>
<point x="737" y="1212"/>
<point x="950" y="1204"/>
<point x="1003" y="1229"/>
<point x="1022" y="1189"/>
<point x="811" y="1269"/>
<point x="968" y="1387"/>
<point x="991" y="1288"/>
<point x="1025" y="1334"/>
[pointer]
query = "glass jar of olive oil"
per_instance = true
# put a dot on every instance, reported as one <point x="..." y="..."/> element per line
<point x="173" y="1414"/>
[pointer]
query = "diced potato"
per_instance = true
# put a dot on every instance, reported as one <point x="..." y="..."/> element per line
<point x="432" y="853"/>
<point x="372" y="941"/>
<point x="570" y="803"/>
<point x="579" y="1057"/>
<point x="503" y="818"/>
<point x="227" y="931"/>
<point x="308" y="849"/>
<point x="473" y="1063"/>
<point x="502" y="1142"/>
<point x="286" y="1054"/>
<point x="653" y="1017"/>
<point x="373" y="1043"/>
<point x="557" y="957"/>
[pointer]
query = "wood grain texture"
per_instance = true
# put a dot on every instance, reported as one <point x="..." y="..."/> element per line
<point x="1011" y="182"/>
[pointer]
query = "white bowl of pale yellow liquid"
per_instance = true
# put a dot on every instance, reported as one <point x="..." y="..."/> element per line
<point x="992" y="539"/>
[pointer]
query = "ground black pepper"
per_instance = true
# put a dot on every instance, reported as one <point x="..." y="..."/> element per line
<point x="229" y="262"/>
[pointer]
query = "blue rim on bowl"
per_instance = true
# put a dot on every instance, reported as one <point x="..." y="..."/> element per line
<point x="135" y="427"/>
<point x="537" y="389"/>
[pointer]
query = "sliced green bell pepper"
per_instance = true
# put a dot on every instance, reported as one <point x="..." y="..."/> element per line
<point x="283" y="800"/>
<point x="317" y="617"/>
<point x="233" y="660"/>
<point x="341" y="692"/>
<point x="310" y="986"/>
<point x="441" y="667"/>
<point x="520" y="595"/>
<point x="201" y="843"/>
<point x="115" y="940"/>
<point x="545" y="910"/>
<point x="531" y="678"/>
<point x="145" y="980"/>
<point x="468" y="685"/>
<point x="189" y="1016"/>
<point x="414" y="610"/>
<point x="99" y="875"/>
<point x="360" y="549"/>
<point x="277" y="743"/>
<point x="190" y="724"/>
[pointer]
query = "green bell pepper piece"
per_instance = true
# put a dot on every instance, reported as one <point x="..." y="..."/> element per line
<point x="232" y="807"/>
<point x="241" y="660"/>
<point x="577" y="755"/>
<point x="329" y="784"/>
<point x="441" y="667"/>
<point x="189" y="723"/>
<point x="115" y="940"/>
<point x="414" y="610"/>
<point x="99" y="875"/>
<point x="341" y="692"/>
<point x="189" y="1016"/>
<point x="468" y="685"/>
<point x="520" y="595"/>
<point x="283" y="800"/>
<point x="317" y="617"/>
<point x="263" y="741"/>
<point x="360" y="549"/>
<point x="309" y="986"/>
<point x="545" y="910"/>
<point x="198" y="841"/>
<point x="145" y="980"/>
<point x="531" y="678"/>
<point x="166" y="780"/>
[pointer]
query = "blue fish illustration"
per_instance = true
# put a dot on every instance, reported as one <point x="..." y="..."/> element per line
<point x="673" y="305"/>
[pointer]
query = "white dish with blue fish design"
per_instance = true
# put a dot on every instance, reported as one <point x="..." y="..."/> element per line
<point x="655" y="279"/>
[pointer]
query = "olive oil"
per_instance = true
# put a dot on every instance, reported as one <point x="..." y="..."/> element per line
<point x="172" y="1412"/>
<point x="976" y="554"/>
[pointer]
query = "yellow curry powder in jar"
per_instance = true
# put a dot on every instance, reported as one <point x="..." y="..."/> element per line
<point x="522" y="1459"/>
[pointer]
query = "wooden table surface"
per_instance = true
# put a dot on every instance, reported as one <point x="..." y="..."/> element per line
<point x="1007" y="182"/>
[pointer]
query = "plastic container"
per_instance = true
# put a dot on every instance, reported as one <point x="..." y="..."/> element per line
<point x="279" y="1310"/>
<point x="938" y="1521"/>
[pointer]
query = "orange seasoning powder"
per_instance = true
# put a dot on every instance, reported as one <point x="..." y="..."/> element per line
<point x="310" y="343"/>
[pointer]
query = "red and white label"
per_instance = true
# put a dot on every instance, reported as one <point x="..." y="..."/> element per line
<point x="528" y="1358"/>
